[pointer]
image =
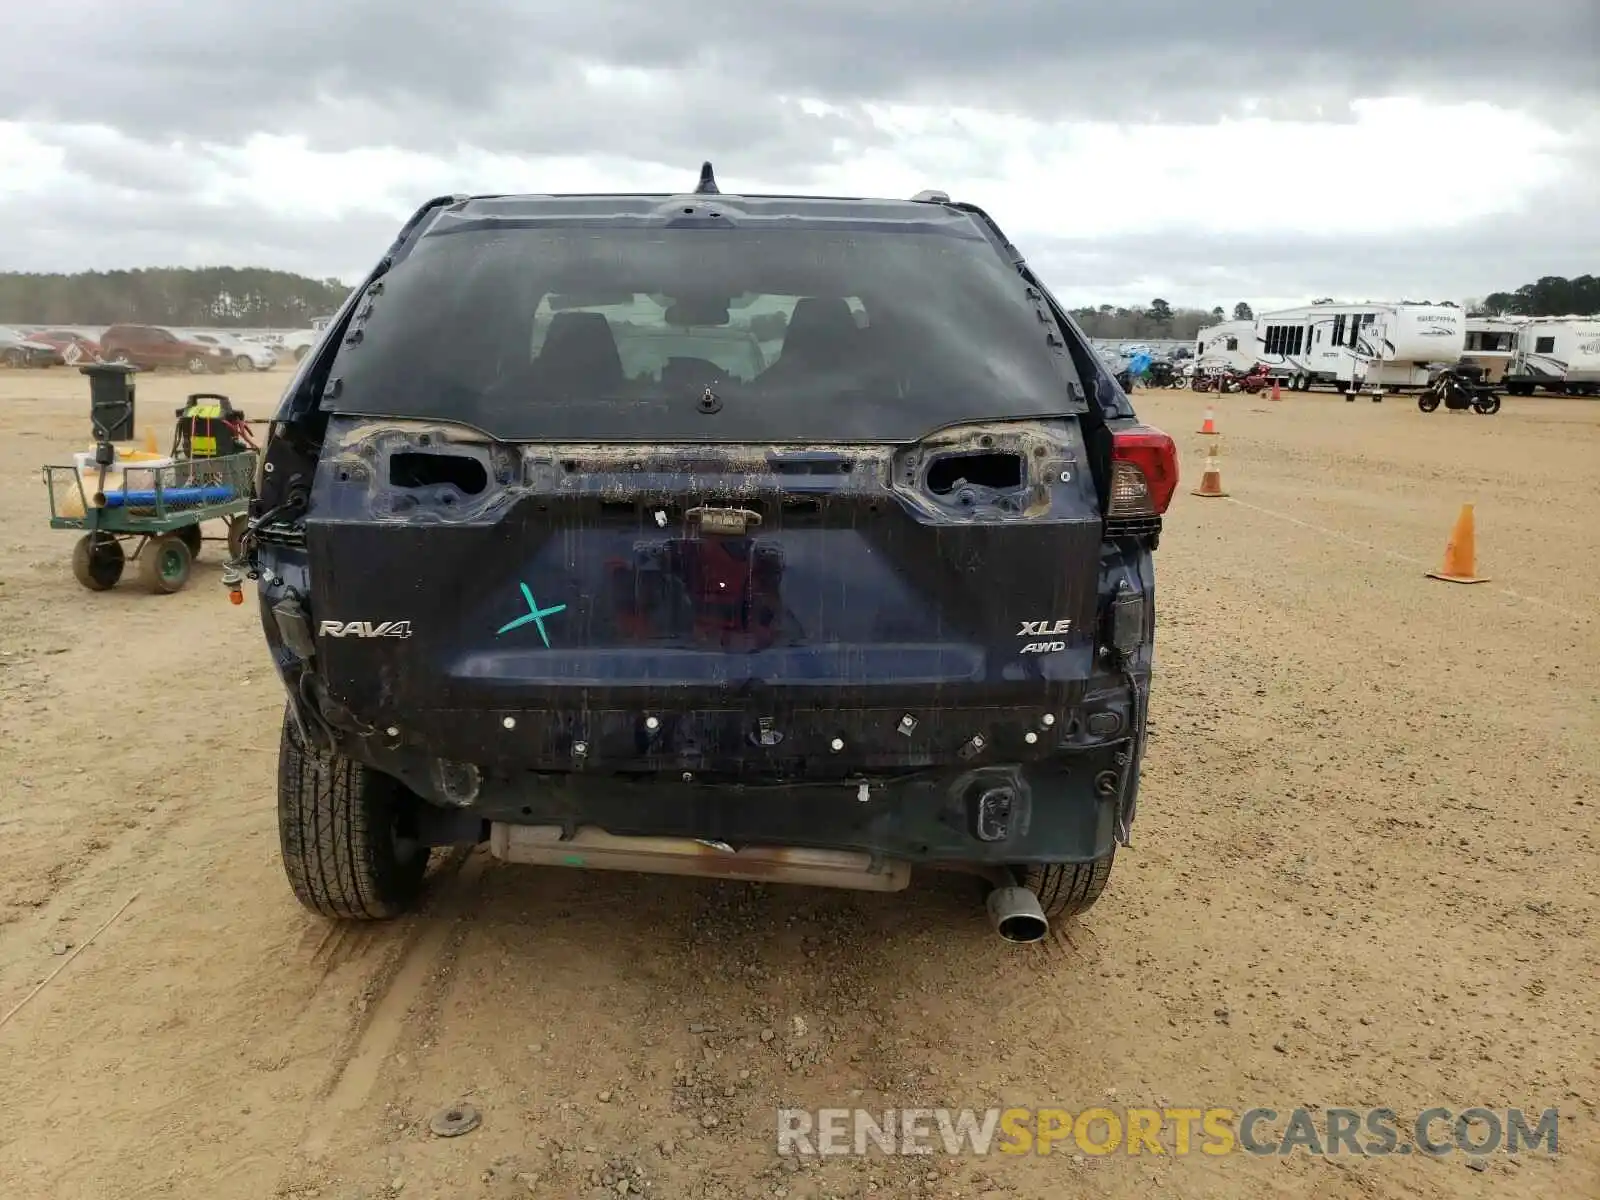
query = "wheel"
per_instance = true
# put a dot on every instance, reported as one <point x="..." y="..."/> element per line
<point x="192" y="538"/>
<point x="15" y="358"/>
<point x="300" y="352"/>
<point x="164" y="563"/>
<point x="1067" y="889"/>
<point x="243" y="363"/>
<point x="97" y="561"/>
<point x="347" y="834"/>
<point x="1427" y="402"/>
<point x="236" y="528"/>
<point x="1487" y="405"/>
<point x="197" y="364"/>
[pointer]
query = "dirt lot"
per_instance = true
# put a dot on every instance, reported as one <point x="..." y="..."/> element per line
<point x="1363" y="875"/>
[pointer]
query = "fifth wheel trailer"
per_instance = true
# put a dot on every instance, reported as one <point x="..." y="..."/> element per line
<point x="1559" y="354"/>
<point x="1491" y="342"/>
<point x="1387" y="347"/>
<point x="1232" y="344"/>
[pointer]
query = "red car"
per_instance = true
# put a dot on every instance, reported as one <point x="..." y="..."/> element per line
<point x="150" y="347"/>
<point x="74" y="348"/>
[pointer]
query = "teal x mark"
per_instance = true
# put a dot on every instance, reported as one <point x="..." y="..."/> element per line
<point x="534" y="614"/>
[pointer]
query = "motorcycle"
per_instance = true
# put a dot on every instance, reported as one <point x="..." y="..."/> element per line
<point x="1160" y="374"/>
<point x="1255" y="380"/>
<point x="1460" y="388"/>
<point x="1227" y="380"/>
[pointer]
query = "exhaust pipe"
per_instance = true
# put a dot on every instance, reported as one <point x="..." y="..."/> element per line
<point x="1015" y="911"/>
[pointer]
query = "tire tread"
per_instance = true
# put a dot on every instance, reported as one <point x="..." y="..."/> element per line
<point x="1067" y="889"/>
<point x="337" y="852"/>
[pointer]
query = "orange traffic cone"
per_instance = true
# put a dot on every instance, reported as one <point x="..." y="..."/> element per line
<point x="1211" y="478"/>
<point x="1209" y="427"/>
<point x="1460" y="552"/>
<point x="1277" y="392"/>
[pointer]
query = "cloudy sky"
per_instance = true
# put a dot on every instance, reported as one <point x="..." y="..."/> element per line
<point x="1205" y="153"/>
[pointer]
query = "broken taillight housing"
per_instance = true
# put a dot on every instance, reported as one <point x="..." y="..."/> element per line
<point x="1144" y="472"/>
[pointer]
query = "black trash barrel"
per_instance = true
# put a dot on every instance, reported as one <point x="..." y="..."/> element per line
<point x="110" y="400"/>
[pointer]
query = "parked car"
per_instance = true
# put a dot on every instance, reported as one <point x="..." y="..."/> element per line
<point x="244" y="356"/>
<point x="791" y="628"/>
<point x="18" y="349"/>
<point x="72" y="346"/>
<point x="297" y="344"/>
<point x="150" y="347"/>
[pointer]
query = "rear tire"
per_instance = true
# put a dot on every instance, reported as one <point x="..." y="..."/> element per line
<point x="165" y="563"/>
<point x="343" y="832"/>
<point x="236" y="528"/>
<point x="1068" y="889"/>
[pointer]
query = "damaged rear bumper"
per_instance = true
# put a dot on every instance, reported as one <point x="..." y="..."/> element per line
<point x="1062" y="809"/>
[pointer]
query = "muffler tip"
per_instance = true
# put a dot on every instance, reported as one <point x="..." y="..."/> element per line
<point x="1016" y="914"/>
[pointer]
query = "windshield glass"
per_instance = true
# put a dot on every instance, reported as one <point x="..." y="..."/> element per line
<point x="621" y="333"/>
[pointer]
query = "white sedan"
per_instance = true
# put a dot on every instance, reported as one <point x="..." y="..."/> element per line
<point x="246" y="356"/>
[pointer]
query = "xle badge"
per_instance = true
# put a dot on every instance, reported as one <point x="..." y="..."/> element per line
<point x="1044" y="629"/>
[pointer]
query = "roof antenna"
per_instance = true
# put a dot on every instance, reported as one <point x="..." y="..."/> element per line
<point x="708" y="182"/>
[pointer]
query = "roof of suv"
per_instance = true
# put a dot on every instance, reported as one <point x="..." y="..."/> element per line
<point x="729" y="212"/>
<point x="707" y="207"/>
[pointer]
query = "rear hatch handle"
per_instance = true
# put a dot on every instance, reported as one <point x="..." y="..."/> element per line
<point x="728" y="522"/>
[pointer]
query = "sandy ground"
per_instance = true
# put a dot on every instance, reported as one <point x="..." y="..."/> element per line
<point x="1363" y="874"/>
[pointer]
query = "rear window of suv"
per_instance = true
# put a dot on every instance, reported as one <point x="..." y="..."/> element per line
<point x="631" y="333"/>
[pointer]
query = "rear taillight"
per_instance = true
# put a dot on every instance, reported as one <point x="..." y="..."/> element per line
<point x="1144" y="472"/>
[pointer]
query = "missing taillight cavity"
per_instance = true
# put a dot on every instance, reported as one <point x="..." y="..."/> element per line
<point x="413" y="470"/>
<point x="1152" y="454"/>
<point x="996" y="471"/>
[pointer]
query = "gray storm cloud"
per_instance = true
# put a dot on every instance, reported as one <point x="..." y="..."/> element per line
<point x="673" y="83"/>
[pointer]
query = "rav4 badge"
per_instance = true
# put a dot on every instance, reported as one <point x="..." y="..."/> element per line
<point x="364" y="629"/>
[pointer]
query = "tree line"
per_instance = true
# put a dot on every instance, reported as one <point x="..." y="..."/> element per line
<point x="255" y="297"/>
<point x="1159" y="320"/>
<point x="213" y="297"/>
<point x="1550" y="296"/>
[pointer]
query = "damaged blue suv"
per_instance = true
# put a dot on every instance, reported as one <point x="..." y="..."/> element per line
<point x="779" y="538"/>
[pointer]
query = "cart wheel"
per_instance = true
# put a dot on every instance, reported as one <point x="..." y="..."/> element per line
<point x="164" y="563"/>
<point x="97" y="561"/>
<point x="236" y="528"/>
<point x="192" y="538"/>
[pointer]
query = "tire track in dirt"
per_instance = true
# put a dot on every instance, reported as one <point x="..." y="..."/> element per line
<point x="390" y="997"/>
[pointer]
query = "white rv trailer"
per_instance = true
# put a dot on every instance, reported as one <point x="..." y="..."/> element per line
<point x="1491" y="341"/>
<point x="1374" y="345"/>
<point x="1231" y="344"/>
<point x="1559" y="354"/>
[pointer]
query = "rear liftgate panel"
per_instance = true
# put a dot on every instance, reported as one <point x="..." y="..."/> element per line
<point x="755" y="612"/>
